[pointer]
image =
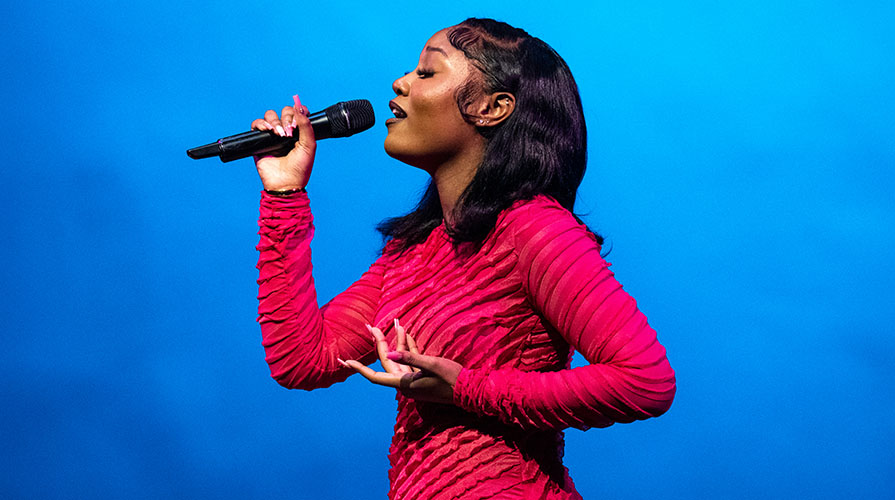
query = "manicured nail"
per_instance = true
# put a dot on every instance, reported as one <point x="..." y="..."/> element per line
<point x="297" y="101"/>
<point x="294" y="123"/>
<point x="394" y="355"/>
<point x="397" y="325"/>
<point x="288" y="130"/>
<point x="343" y="363"/>
<point x="281" y="131"/>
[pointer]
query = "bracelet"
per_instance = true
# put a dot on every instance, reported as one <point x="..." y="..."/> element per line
<point x="283" y="194"/>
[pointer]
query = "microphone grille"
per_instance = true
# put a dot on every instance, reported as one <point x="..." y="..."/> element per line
<point x="350" y="117"/>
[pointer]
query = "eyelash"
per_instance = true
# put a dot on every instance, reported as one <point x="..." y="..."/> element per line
<point x="424" y="73"/>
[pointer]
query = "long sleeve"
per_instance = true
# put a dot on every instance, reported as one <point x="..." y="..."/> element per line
<point x="570" y="285"/>
<point x="302" y="342"/>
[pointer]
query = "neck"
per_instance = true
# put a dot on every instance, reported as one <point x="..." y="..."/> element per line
<point x="452" y="177"/>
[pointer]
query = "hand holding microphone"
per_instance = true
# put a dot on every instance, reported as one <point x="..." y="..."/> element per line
<point x="283" y="173"/>
<point x="284" y="145"/>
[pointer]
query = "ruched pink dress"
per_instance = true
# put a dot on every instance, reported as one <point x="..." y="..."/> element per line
<point x="511" y="313"/>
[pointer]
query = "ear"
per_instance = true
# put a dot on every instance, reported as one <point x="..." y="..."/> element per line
<point x="495" y="109"/>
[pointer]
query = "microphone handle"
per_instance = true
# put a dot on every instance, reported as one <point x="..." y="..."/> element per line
<point x="257" y="142"/>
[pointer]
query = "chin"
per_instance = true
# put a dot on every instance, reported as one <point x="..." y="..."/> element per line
<point x="395" y="149"/>
<point x="390" y="148"/>
<point x="402" y="154"/>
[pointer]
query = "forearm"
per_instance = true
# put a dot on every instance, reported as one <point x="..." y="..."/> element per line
<point x="596" y="395"/>
<point x="301" y="341"/>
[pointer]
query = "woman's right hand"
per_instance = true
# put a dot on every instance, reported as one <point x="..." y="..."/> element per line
<point x="292" y="171"/>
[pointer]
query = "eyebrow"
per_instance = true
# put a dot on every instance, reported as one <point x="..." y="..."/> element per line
<point x="436" y="49"/>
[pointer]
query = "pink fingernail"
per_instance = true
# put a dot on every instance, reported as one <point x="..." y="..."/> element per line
<point x="280" y="130"/>
<point x="297" y="101"/>
<point x="369" y="328"/>
<point x="397" y="325"/>
<point x="288" y="130"/>
<point x="394" y="355"/>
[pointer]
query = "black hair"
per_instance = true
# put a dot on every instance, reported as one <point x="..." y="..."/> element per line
<point x="541" y="148"/>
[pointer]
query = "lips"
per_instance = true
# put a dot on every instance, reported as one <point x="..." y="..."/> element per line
<point x="398" y="111"/>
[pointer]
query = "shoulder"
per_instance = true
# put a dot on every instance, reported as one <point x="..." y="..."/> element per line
<point x="540" y="220"/>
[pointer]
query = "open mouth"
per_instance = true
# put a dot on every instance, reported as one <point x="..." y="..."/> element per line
<point x="397" y="110"/>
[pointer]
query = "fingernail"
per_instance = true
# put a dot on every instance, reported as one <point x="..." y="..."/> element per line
<point x="343" y="363"/>
<point x="369" y="328"/>
<point x="294" y="123"/>
<point x="296" y="100"/>
<point x="288" y="130"/>
<point x="397" y="325"/>
<point x="394" y="355"/>
<point x="280" y="130"/>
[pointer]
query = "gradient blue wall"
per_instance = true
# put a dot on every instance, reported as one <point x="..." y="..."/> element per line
<point x="741" y="160"/>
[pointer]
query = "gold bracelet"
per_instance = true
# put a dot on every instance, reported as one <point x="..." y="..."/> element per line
<point x="283" y="194"/>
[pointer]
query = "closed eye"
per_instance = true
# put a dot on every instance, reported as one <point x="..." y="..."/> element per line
<point x="424" y="73"/>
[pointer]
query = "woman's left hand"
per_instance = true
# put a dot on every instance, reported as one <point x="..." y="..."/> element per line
<point x="427" y="378"/>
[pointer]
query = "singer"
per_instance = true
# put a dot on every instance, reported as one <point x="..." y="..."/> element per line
<point x="482" y="292"/>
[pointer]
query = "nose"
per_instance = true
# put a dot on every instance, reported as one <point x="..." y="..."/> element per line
<point x="400" y="86"/>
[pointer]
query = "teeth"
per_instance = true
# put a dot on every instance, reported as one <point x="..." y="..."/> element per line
<point x="397" y="112"/>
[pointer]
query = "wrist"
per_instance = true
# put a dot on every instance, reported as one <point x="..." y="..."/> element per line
<point x="283" y="193"/>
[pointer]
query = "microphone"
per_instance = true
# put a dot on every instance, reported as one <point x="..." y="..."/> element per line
<point x="339" y="120"/>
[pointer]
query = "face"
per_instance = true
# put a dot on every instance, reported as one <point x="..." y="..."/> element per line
<point x="428" y="128"/>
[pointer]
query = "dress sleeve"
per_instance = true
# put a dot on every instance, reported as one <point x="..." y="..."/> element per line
<point x="301" y="341"/>
<point x="570" y="285"/>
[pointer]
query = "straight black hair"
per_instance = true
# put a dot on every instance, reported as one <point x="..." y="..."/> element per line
<point x="540" y="149"/>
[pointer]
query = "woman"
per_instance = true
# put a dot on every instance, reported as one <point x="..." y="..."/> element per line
<point x="482" y="292"/>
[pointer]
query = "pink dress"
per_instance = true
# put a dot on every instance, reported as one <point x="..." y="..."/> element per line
<point x="510" y="313"/>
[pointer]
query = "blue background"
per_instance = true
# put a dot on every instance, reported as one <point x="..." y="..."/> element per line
<point x="740" y="165"/>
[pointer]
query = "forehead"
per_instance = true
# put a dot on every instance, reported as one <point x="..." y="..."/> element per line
<point x="439" y="46"/>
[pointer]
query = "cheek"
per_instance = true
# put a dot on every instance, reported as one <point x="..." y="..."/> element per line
<point x="433" y="127"/>
<point x="439" y="118"/>
<point x="437" y="103"/>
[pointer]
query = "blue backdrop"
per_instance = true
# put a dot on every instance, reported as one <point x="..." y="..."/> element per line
<point x="740" y="164"/>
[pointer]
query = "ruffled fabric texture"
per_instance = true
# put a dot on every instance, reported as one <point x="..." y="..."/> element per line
<point x="510" y="313"/>
<point x="301" y="347"/>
